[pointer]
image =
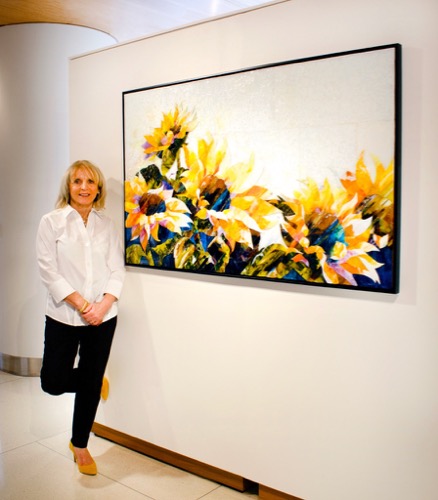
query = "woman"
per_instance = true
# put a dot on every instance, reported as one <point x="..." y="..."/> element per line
<point x="81" y="264"/>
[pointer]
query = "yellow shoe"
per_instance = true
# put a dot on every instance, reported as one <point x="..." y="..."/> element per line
<point x="90" y="469"/>
<point x="105" y="389"/>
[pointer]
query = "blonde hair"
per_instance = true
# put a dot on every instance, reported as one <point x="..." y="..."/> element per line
<point x="94" y="173"/>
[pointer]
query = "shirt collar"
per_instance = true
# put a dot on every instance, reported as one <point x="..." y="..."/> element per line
<point x="68" y="210"/>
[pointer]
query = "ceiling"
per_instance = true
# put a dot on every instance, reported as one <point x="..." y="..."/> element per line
<point x="123" y="19"/>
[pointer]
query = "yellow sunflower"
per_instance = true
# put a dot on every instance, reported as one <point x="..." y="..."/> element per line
<point x="216" y="189"/>
<point x="175" y="125"/>
<point x="148" y="210"/>
<point x="332" y="238"/>
<point x="375" y="198"/>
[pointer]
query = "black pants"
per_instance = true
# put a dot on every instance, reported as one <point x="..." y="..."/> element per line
<point x="58" y="375"/>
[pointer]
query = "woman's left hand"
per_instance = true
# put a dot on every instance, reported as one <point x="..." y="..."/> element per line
<point x="96" y="311"/>
<point x="94" y="314"/>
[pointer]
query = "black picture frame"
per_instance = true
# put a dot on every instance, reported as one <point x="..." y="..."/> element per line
<point x="287" y="172"/>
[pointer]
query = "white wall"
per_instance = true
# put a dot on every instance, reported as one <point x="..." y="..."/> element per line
<point x="34" y="153"/>
<point x="323" y="394"/>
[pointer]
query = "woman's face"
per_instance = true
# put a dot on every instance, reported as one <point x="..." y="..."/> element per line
<point x="83" y="189"/>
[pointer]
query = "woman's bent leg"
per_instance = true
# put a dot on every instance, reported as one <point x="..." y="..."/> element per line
<point x="60" y="349"/>
<point x="95" y="346"/>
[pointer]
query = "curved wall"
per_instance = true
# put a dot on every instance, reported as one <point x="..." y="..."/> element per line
<point x="34" y="152"/>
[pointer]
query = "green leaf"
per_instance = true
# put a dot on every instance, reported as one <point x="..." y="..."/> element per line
<point x="264" y="261"/>
<point x="134" y="253"/>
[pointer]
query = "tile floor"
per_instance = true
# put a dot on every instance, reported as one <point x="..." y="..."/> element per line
<point x="35" y="462"/>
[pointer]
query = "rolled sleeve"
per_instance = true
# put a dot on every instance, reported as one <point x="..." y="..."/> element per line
<point x="56" y="284"/>
<point x="60" y="289"/>
<point x="116" y="264"/>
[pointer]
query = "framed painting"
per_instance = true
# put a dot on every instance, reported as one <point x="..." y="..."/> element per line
<point x="288" y="172"/>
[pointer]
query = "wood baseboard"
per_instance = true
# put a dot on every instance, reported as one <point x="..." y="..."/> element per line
<point x="267" y="493"/>
<point x="169" y="457"/>
<point x="189" y="464"/>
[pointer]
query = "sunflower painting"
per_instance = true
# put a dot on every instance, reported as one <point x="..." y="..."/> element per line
<point x="286" y="172"/>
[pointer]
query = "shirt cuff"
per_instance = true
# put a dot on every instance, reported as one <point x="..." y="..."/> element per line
<point x="114" y="287"/>
<point x="60" y="289"/>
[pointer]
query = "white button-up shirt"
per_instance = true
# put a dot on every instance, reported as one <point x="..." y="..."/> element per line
<point x="72" y="257"/>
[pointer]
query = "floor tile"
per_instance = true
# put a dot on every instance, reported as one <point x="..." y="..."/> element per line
<point x="146" y="475"/>
<point x="7" y="377"/>
<point x="136" y="471"/>
<point x="224" y="493"/>
<point x="143" y="474"/>
<point x="34" y="472"/>
<point x="28" y="414"/>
